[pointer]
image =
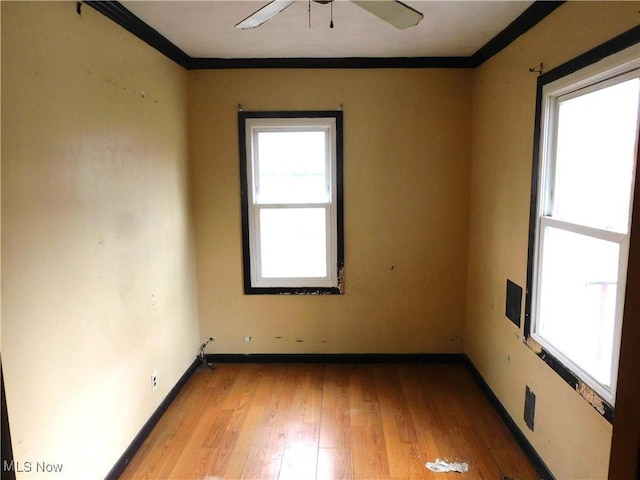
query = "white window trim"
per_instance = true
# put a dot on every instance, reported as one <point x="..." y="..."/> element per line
<point x="609" y="70"/>
<point x="253" y="127"/>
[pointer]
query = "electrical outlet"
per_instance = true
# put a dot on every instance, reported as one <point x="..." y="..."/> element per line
<point x="247" y="339"/>
<point x="154" y="381"/>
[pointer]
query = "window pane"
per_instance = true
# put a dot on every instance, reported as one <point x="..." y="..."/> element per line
<point x="291" y="167"/>
<point x="595" y="155"/>
<point x="578" y="299"/>
<point x="293" y="242"/>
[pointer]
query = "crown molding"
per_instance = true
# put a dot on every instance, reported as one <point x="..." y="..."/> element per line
<point x="123" y="17"/>
<point x="343" y="62"/>
<point x="527" y="20"/>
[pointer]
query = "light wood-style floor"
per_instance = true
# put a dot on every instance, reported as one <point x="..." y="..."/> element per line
<point x="329" y="422"/>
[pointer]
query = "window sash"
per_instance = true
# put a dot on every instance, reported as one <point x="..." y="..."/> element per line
<point x="553" y="96"/>
<point x="622" y="240"/>
<point x="258" y="280"/>
<point x="306" y="127"/>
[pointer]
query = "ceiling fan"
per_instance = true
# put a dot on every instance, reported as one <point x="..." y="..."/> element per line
<point x="391" y="11"/>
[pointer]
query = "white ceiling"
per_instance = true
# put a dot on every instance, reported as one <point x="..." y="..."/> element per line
<point x="205" y="28"/>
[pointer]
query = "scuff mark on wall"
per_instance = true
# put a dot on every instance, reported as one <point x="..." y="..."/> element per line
<point x="591" y="396"/>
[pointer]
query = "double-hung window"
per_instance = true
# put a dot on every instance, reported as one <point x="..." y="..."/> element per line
<point x="291" y="169"/>
<point x="581" y="215"/>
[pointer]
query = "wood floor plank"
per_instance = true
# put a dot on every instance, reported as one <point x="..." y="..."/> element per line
<point x="392" y="398"/>
<point x="334" y="464"/>
<point x="299" y="462"/>
<point x="265" y="457"/>
<point x="513" y="464"/>
<point x="264" y="391"/>
<point x="192" y="463"/>
<point x="335" y="392"/>
<point x="329" y="422"/>
<point x="417" y="469"/>
<point x="358" y="406"/>
<point x="246" y="433"/>
<point x="216" y="428"/>
<point x="477" y="456"/>
<point x="307" y="395"/>
<point x="369" y="448"/>
<point x="243" y="388"/>
<point x="398" y="446"/>
<point x="220" y="456"/>
<point x="335" y="428"/>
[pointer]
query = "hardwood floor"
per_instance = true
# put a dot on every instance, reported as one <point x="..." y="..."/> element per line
<point x="329" y="422"/>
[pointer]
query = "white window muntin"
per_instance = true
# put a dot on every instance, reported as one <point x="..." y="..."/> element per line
<point x="609" y="71"/>
<point x="327" y="125"/>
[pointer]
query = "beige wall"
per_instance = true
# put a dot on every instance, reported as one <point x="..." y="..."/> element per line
<point x="406" y="170"/>
<point x="571" y="437"/>
<point x="98" y="267"/>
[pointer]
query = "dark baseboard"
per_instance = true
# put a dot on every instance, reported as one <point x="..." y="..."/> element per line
<point x="528" y="449"/>
<point x="335" y="358"/>
<point x="137" y="442"/>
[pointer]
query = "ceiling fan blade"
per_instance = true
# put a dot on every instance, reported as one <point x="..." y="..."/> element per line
<point x="391" y="11"/>
<point x="264" y="14"/>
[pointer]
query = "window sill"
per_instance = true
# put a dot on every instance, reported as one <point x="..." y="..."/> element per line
<point x="293" y="290"/>
<point x="599" y="404"/>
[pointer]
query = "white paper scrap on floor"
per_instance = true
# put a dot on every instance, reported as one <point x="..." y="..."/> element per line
<point x="442" y="466"/>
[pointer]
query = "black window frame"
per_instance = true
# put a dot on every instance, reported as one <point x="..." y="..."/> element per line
<point x="615" y="45"/>
<point x="250" y="289"/>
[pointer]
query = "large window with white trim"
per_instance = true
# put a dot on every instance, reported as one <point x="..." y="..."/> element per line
<point x="291" y="165"/>
<point x="588" y="144"/>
